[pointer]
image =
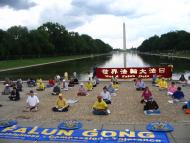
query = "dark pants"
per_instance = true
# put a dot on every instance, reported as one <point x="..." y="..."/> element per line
<point x="14" y="98"/>
<point x="107" y="101"/>
<point x="100" y="112"/>
<point x="54" y="109"/>
<point x="184" y="106"/>
<point x="139" y="89"/>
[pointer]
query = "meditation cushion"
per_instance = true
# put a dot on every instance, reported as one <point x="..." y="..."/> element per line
<point x="159" y="127"/>
<point x="70" y="125"/>
<point x="7" y="123"/>
<point x="152" y="112"/>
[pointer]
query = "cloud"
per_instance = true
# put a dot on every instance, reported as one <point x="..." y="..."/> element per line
<point x="17" y="4"/>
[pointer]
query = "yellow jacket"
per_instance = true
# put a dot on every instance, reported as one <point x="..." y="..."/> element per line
<point x="100" y="105"/>
<point x="89" y="86"/>
<point x="163" y="84"/>
<point x="41" y="86"/>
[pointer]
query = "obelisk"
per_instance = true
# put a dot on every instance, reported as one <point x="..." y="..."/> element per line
<point x="124" y="46"/>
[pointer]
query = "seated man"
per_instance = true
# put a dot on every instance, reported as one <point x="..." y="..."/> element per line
<point x="39" y="81"/>
<point x="114" y="79"/>
<point x="75" y="78"/>
<point x="151" y="105"/>
<point x="163" y="85"/>
<point x="115" y="85"/>
<point x="41" y="86"/>
<point x="154" y="78"/>
<point x="56" y="90"/>
<point x="61" y="104"/>
<point x="51" y="83"/>
<point x="140" y="85"/>
<point x="71" y="82"/>
<point x="178" y="95"/>
<point x="172" y="88"/>
<point x="100" y="107"/>
<point x="82" y="91"/>
<point x="146" y="95"/>
<point x="89" y="86"/>
<point x="32" y="102"/>
<point x="186" y="106"/>
<point x="15" y="95"/>
<point x="6" y="90"/>
<point x="106" y="95"/>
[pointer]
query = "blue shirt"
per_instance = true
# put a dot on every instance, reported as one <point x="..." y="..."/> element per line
<point x="178" y="95"/>
<point x="188" y="104"/>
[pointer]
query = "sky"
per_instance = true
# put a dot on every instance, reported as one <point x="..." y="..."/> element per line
<point x="101" y="19"/>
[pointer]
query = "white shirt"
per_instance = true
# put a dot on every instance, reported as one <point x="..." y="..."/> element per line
<point x="32" y="101"/>
<point x="105" y="95"/>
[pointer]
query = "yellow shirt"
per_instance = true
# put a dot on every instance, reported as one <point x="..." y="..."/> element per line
<point x="115" y="86"/>
<point x="39" y="80"/>
<point x="42" y="86"/>
<point x="163" y="84"/>
<point x="100" y="105"/>
<point x="88" y="86"/>
<point x="61" y="103"/>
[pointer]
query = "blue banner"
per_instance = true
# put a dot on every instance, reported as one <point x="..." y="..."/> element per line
<point x="88" y="136"/>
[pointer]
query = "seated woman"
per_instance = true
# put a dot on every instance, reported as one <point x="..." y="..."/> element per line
<point x="82" y="91"/>
<point x="38" y="81"/>
<point x="31" y="82"/>
<point x="151" y="104"/>
<point x="65" y="85"/>
<point x="146" y="95"/>
<point x="106" y="95"/>
<point x="89" y="86"/>
<point x="32" y="102"/>
<point x="41" y="87"/>
<point x="100" y="107"/>
<point x="140" y="85"/>
<point x="71" y="82"/>
<point x="66" y="76"/>
<point x="179" y="95"/>
<point x="56" y="90"/>
<point x="61" y="104"/>
<point x="182" y="79"/>
<point x="15" y="95"/>
<point x="163" y="85"/>
<point x="6" y="90"/>
<point x="110" y="89"/>
<point x="172" y="88"/>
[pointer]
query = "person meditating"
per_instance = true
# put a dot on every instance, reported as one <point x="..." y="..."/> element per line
<point x="89" y="86"/>
<point x="82" y="91"/>
<point x="6" y="90"/>
<point x="163" y="85"/>
<point x="140" y="85"/>
<point x="56" y="90"/>
<point x="146" y="95"/>
<point x="182" y="79"/>
<point x="151" y="105"/>
<point x="41" y="86"/>
<point x="15" y="95"/>
<point x="100" y="107"/>
<point x="110" y="89"/>
<point x="171" y="89"/>
<point x="106" y="95"/>
<point x="32" y="102"/>
<point x="179" y="95"/>
<point x="61" y="104"/>
<point x="65" y="85"/>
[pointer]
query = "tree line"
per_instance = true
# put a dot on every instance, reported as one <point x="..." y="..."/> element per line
<point x="170" y="42"/>
<point x="50" y="39"/>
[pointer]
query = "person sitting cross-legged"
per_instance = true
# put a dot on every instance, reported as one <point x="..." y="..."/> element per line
<point x="6" y="90"/>
<point x="89" y="86"/>
<point x="163" y="85"/>
<point x="15" y="95"/>
<point x="106" y="95"/>
<point x="179" y="95"/>
<point x="140" y="85"/>
<point x="151" y="104"/>
<point x="41" y="86"/>
<point x="146" y="95"/>
<point x="61" y="104"/>
<point x="171" y="89"/>
<point x="32" y="102"/>
<point x="100" y="107"/>
<point x="56" y="90"/>
<point x="110" y="89"/>
<point x="82" y="91"/>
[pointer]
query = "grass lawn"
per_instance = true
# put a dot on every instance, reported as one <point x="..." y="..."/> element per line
<point x="27" y="62"/>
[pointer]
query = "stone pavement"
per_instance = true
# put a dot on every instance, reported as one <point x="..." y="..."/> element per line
<point x="181" y="133"/>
